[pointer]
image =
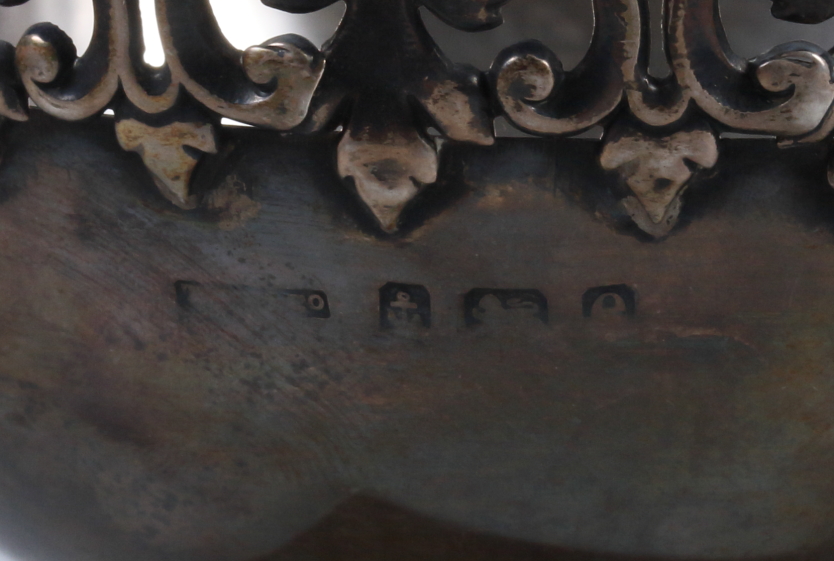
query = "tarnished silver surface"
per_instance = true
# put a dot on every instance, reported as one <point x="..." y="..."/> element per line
<point x="368" y="325"/>
<point x="520" y="375"/>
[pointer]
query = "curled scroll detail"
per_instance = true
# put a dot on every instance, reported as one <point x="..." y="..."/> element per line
<point x="385" y="87"/>
<point x="268" y="85"/>
<point x="787" y="92"/>
<point x="63" y="84"/>
<point x="539" y="97"/>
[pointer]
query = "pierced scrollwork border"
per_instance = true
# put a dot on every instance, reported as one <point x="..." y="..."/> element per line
<point x="382" y="84"/>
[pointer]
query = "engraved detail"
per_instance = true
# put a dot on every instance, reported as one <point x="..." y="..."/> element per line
<point x="657" y="168"/>
<point x="182" y="290"/>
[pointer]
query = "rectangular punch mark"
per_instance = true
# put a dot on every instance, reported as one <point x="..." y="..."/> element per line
<point x="404" y="305"/>
<point x="489" y="305"/>
<point x="195" y="296"/>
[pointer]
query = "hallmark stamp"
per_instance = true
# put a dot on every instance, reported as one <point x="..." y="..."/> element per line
<point x="615" y="300"/>
<point x="195" y="296"/>
<point x="404" y="305"/>
<point x="183" y="290"/>
<point x="313" y="301"/>
<point x="482" y="305"/>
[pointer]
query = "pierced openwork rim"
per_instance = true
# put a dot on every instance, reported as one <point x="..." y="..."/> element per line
<point x="382" y="84"/>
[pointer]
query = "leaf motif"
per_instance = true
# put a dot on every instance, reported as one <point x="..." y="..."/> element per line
<point x="163" y="150"/>
<point x="389" y="168"/>
<point x="657" y="168"/>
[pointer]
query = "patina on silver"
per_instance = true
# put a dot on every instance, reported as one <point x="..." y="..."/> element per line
<point x="367" y="329"/>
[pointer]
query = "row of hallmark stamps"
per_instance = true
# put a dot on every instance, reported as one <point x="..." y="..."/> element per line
<point x="410" y="304"/>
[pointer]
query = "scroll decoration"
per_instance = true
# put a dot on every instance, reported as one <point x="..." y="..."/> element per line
<point x="382" y="84"/>
<point x="112" y="74"/>
<point x="787" y="92"/>
<point x="539" y="97"/>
